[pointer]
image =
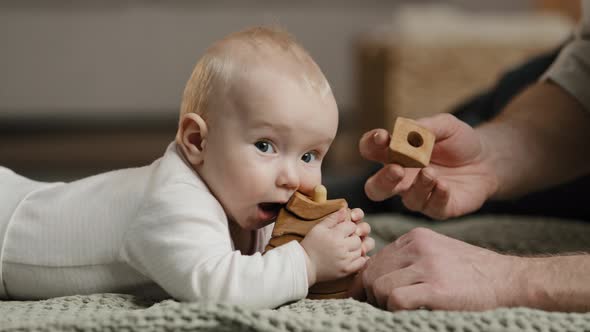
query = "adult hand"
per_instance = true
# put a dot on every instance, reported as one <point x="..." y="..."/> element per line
<point x="458" y="180"/>
<point x="426" y="269"/>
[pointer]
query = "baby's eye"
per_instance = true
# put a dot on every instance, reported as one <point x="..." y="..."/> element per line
<point x="264" y="146"/>
<point x="309" y="157"/>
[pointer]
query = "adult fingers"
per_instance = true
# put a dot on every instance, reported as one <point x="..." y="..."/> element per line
<point x="442" y="125"/>
<point x="367" y="278"/>
<point x="437" y="205"/>
<point x="357" y="289"/>
<point x="370" y="296"/>
<point x="455" y="139"/>
<point x="410" y="297"/>
<point x="384" y="286"/>
<point x="388" y="181"/>
<point x="385" y="261"/>
<point x="401" y="241"/>
<point x="416" y="197"/>
<point x="374" y="145"/>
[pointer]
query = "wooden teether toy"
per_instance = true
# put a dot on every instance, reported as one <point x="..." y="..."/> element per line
<point x="296" y="219"/>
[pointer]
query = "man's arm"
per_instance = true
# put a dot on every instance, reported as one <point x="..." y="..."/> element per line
<point x="558" y="283"/>
<point x="550" y="121"/>
<point x="538" y="141"/>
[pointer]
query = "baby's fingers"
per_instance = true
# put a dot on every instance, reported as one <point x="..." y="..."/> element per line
<point x="368" y="245"/>
<point x="363" y="229"/>
<point x="335" y="218"/>
<point x="345" y="228"/>
<point x="356" y="215"/>
<point x="353" y="243"/>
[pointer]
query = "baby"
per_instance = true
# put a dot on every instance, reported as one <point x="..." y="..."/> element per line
<point x="257" y="118"/>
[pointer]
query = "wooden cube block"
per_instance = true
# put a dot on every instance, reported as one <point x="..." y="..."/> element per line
<point x="411" y="145"/>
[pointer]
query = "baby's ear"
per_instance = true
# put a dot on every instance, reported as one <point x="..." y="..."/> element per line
<point x="192" y="136"/>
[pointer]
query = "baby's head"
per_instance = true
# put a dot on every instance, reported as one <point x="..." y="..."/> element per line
<point x="257" y="118"/>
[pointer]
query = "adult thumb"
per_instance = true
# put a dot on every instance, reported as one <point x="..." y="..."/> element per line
<point x="442" y="125"/>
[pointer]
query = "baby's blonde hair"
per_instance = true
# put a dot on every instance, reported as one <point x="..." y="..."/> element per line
<point x="216" y="67"/>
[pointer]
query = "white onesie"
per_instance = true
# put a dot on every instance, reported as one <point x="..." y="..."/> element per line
<point x="133" y="231"/>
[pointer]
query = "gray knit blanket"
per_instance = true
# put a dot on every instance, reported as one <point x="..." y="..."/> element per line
<point x="518" y="235"/>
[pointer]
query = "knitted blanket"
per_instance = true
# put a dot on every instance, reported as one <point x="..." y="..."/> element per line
<point x="508" y="234"/>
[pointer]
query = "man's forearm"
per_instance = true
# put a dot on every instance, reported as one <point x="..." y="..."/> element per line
<point x="539" y="140"/>
<point x="558" y="283"/>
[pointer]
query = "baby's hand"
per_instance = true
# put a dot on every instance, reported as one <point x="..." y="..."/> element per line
<point x="362" y="230"/>
<point x="333" y="248"/>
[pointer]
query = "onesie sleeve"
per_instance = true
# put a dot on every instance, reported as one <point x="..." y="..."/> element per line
<point x="571" y="69"/>
<point x="186" y="248"/>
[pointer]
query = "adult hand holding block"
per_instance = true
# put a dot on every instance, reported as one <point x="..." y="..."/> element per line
<point x="438" y="165"/>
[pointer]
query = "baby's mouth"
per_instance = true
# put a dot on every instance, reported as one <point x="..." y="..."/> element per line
<point x="269" y="211"/>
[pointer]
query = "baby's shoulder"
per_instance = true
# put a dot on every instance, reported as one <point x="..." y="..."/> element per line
<point x="179" y="203"/>
<point x="172" y="171"/>
<point x="179" y="190"/>
<point x="175" y="185"/>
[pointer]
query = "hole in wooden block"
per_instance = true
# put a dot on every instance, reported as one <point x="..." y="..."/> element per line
<point x="415" y="139"/>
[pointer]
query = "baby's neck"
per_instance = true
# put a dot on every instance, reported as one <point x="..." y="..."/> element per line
<point x="243" y="240"/>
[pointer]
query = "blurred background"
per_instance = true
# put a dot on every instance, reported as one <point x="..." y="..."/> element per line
<point x="91" y="86"/>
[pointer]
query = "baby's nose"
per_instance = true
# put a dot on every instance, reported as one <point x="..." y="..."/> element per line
<point x="288" y="177"/>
